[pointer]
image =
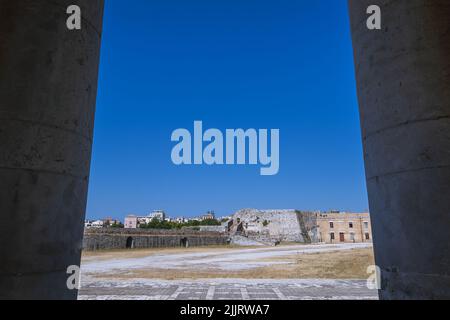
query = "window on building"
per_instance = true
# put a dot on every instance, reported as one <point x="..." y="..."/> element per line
<point x="331" y="225"/>
<point x="367" y="236"/>
<point x="332" y="236"/>
<point x="352" y="237"/>
<point x="350" y="225"/>
<point x="366" y="225"/>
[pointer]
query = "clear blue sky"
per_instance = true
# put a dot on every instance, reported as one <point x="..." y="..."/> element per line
<point x="232" y="64"/>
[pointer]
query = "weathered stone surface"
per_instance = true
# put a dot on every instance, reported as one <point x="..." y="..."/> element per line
<point x="103" y="239"/>
<point x="48" y="89"/>
<point x="403" y="78"/>
<point x="276" y="225"/>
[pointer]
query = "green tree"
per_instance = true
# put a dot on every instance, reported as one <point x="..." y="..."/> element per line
<point x="117" y="225"/>
<point x="167" y="225"/>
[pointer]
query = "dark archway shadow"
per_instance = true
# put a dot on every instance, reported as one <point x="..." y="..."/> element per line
<point x="130" y="243"/>
<point x="184" y="242"/>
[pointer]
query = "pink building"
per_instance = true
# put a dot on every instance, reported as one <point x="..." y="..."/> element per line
<point x="131" y="222"/>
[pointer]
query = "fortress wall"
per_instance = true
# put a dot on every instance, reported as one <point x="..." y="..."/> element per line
<point x="279" y="225"/>
<point x="107" y="239"/>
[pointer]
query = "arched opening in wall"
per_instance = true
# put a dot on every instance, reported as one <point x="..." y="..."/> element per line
<point x="184" y="242"/>
<point x="241" y="86"/>
<point x="130" y="243"/>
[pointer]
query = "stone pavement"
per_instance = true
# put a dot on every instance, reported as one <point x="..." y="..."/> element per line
<point x="225" y="289"/>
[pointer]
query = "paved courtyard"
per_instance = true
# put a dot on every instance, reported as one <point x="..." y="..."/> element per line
<point x="226" y="289"/>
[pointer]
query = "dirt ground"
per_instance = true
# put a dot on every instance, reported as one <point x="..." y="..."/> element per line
<point x="141" y="253"/>
<point x="284" y="262"/>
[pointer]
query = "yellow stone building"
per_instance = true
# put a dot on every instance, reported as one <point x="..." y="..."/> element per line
<point x="341" y="227"/>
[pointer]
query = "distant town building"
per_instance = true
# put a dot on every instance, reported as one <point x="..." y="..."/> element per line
<point x="103" y="223"/>
<point x="88" y="223"/>
<point x="342" y="227"/>
<point x="131" y="222"/>
<point x="181" y="220"/>
<point x="110" y="221"/>
<point x="97" y="224"/>
<point x="158" y="214"/>
<point x="210" y="215"/>
<point x="143" y="220"/>
<point x="134" y="221"/>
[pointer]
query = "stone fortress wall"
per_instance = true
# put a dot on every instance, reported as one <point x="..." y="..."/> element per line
<point x="107" y="239"/>
<point x="274" y="226"/>
<point x="250" y="227"/>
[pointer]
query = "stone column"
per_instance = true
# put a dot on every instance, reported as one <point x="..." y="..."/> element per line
<point x="48" y="84"/>
<point x="403" y="79"/>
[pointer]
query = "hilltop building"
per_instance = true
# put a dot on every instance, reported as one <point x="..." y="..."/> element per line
<point x="158" y="214"/>
<point x="210" y="215"/>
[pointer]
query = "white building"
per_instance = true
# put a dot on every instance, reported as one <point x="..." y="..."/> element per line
<point x="144" y="220"/>
<point x="158" y="214"/>
<point x="133" y="221"/>
<point x="181" y="220"/>
<point x="97" y="224"/>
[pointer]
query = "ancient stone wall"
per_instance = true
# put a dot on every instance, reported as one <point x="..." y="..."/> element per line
<point x="276" y="225"/>
<point x="105" y="239"/>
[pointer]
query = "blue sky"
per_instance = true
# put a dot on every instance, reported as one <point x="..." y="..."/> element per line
<point x="231" y="64"/>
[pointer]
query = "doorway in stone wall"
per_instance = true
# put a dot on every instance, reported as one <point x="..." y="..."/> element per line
<point x="184" y="242"/>
<point x="130" y="243"/>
